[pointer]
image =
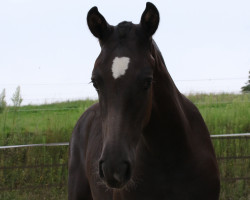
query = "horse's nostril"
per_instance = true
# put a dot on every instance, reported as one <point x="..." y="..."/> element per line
<point x="127" y="171"/>
<point x="101" y="169"/>
<point x="116" y="174"/>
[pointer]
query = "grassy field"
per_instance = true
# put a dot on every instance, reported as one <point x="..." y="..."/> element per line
<point x="41" y="172"/>
<point x="40" y="124"/>
<point x="223" y="113"/>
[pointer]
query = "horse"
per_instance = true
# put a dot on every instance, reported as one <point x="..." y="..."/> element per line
<point x="143" y="140"/>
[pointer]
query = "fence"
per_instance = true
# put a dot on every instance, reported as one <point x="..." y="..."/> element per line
<point x="39" y="171"/>
<point x="63" y="91"/>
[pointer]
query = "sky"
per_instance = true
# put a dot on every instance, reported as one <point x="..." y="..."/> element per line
<point x="47" y="49"/>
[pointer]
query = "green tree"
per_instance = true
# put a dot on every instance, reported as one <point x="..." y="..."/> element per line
<point x="2" y="101"/>
<point x="246" y="88"/>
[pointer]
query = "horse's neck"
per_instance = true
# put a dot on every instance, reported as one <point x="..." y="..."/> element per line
<point x="166" y="98"/>
<point x="168" y="119"/>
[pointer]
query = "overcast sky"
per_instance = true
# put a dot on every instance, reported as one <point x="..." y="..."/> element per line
<point x="47" y="49"/>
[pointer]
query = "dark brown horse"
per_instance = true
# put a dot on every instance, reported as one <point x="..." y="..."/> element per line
<point x="144" y="140"/>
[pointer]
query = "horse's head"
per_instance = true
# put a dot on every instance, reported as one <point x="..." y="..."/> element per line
<point x="122" y="76"/>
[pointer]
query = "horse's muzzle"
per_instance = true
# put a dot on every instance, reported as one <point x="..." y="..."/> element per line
<point x="115" y="175"/>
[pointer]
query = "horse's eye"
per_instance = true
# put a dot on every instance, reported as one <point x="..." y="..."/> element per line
<point x="147" y="83"/>
<point x="95" y="84"/>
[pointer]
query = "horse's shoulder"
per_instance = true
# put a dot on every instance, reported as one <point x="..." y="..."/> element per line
<point x="83" y="127"/>
<point x="88" y="117"/>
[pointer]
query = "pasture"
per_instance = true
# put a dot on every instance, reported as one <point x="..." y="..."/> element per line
<point x="41" y="172"/>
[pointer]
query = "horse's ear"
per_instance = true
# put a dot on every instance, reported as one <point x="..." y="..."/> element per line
<point x="97" y="23"/>
<point x="150" y="19"/>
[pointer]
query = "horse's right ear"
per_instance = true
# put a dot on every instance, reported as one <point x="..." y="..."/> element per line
<point x="97" y="24"/>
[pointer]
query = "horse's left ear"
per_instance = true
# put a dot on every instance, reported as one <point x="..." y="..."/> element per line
<point x="150" y="19"/>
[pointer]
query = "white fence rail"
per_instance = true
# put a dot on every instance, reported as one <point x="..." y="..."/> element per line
<point x="233" y="135"/>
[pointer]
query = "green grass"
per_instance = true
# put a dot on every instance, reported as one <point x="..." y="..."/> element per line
<point x="34" y="173"/>
<point x="223" y="113"/>
<point x="41" y="124"/>
<point x="233" y="163"/>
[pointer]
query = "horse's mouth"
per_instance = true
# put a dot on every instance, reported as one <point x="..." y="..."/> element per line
<point x="116" y="182"/>
<point x="113" y="184"/>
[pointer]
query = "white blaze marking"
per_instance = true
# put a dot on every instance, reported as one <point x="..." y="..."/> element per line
<point x="119" y="67"/>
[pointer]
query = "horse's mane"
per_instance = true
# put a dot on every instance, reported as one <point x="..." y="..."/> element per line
<point x="170" y="88"/>
<point x="157" y="53"/>
<point x="160" y="63"/>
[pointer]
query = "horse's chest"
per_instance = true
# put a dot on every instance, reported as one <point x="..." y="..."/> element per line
<point x="154" y="186"/>
<point x="153" y="178"/>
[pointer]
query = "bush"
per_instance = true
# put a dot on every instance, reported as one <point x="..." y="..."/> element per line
<point x="3" y="103"/>
<point x="246" y="88"/>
